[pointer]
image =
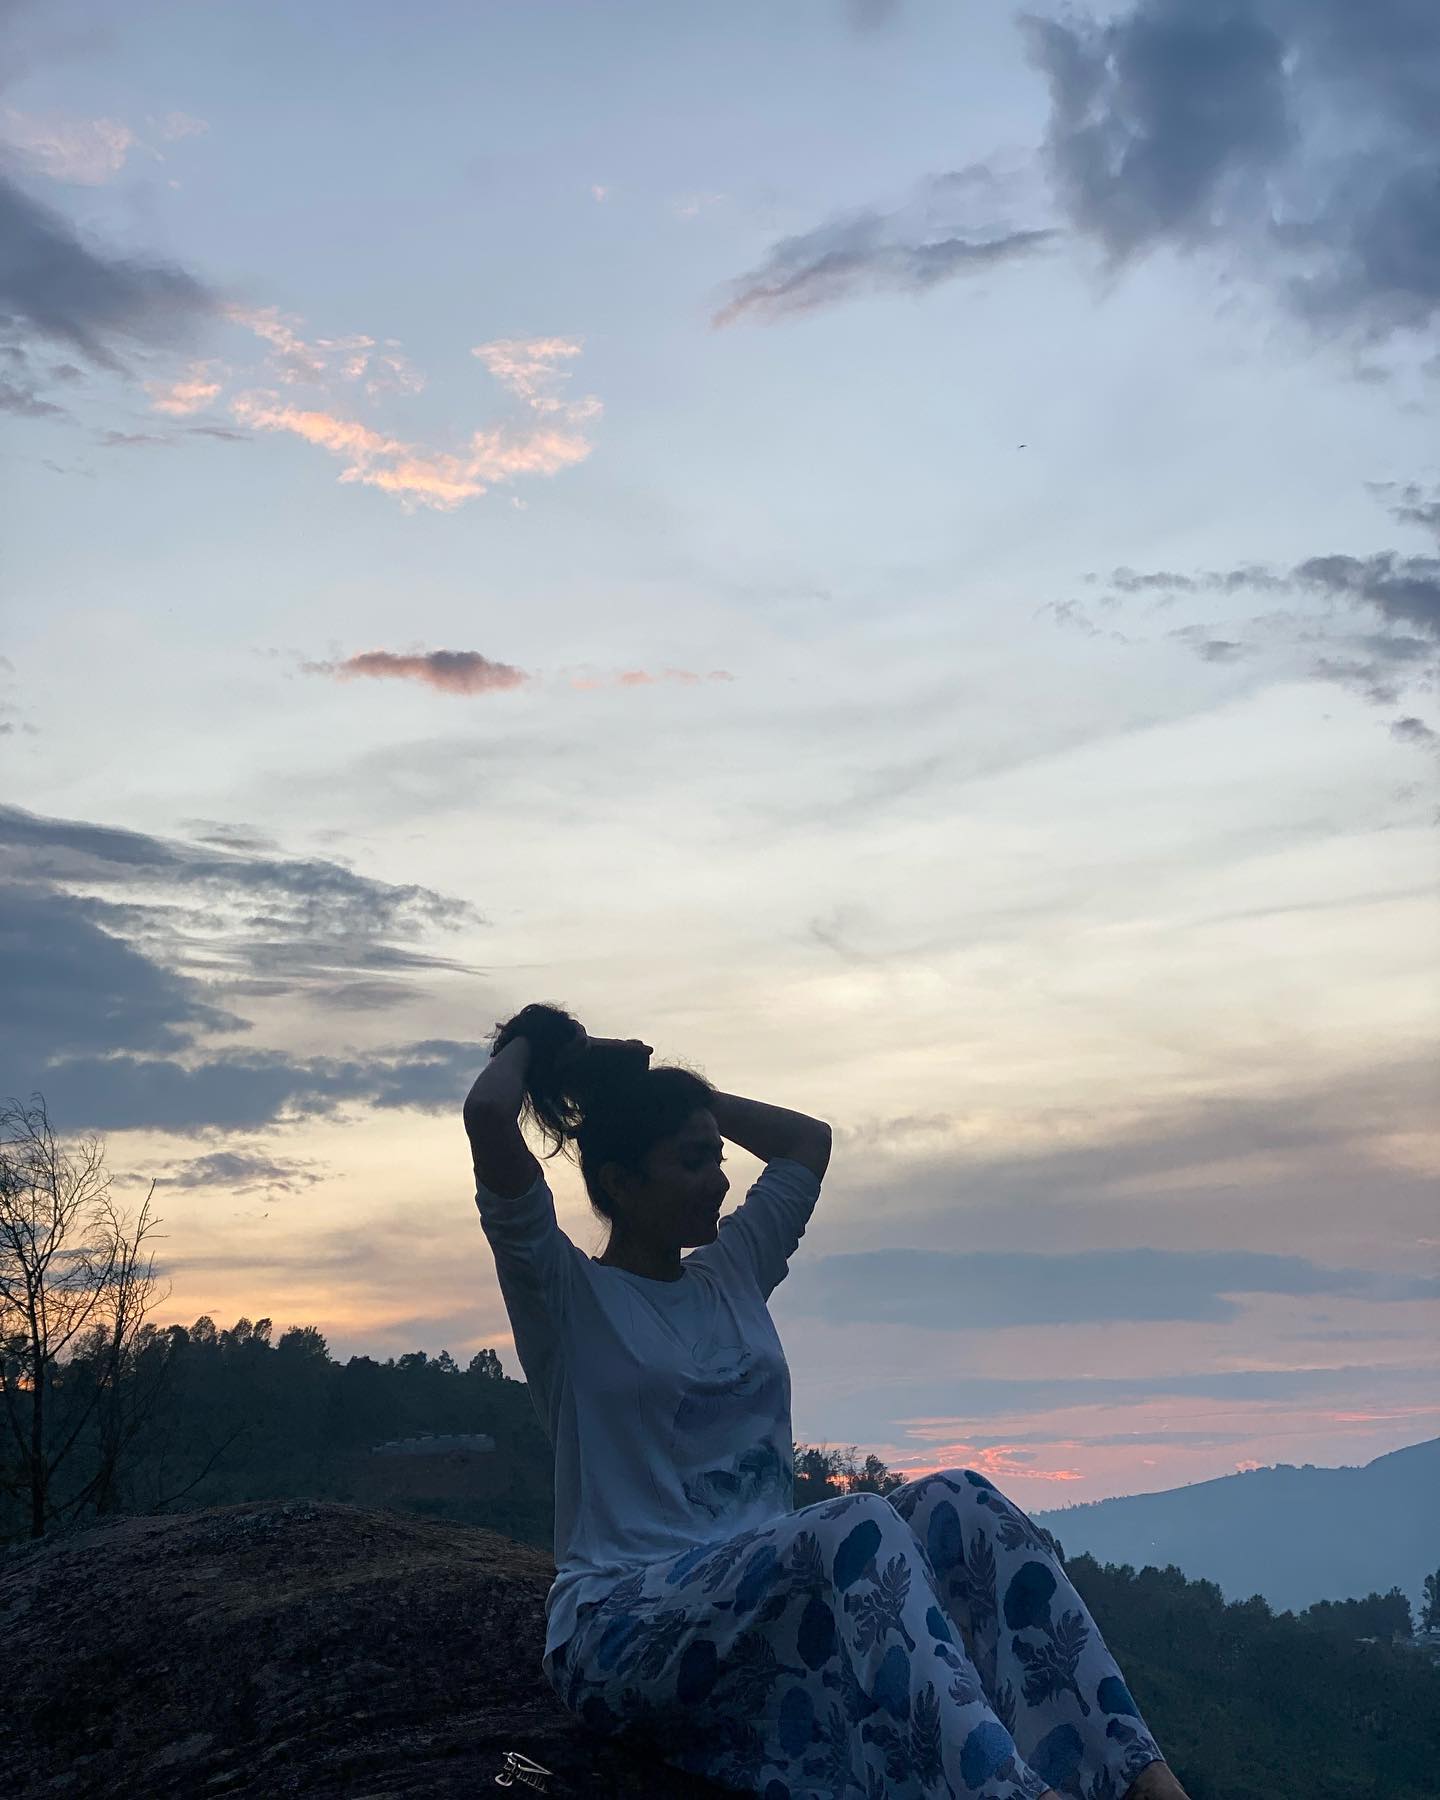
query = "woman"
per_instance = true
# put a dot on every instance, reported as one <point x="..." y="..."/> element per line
<point x="922" y="1643"/>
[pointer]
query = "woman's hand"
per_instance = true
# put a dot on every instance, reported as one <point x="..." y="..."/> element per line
<point x="582" y="1042"/>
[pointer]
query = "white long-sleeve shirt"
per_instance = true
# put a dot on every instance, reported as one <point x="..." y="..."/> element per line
<point x="667" y="1402"/>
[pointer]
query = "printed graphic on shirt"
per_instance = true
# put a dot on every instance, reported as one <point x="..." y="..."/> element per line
<point x="736" y="1391"/>
<point x="737" y="1397"/>
<point x="756" y="1474"/>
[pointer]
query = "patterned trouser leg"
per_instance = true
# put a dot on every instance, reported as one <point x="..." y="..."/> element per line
<point x="816" y="1657"/>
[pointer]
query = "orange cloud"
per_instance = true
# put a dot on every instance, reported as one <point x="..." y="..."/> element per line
<point x="187" y="395"/>
<point x="438" y="479"/>
<point x="316" y="361"/>
<point x="419" y="475"/>
<point x="448" y="671"/>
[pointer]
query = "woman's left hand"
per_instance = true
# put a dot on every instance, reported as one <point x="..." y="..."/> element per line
<point x="573" y="1051"/>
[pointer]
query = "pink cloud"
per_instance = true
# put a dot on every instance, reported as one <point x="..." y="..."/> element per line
<point x="1001" y="1462"/>
<point x="448" y="671"/>
<point x="1140" y="1445"/>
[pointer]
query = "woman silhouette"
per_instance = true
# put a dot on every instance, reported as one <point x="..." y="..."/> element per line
<point x="919" y="1644"/>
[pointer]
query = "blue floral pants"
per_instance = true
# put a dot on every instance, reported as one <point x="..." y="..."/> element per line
<point x="922" y="1644"/>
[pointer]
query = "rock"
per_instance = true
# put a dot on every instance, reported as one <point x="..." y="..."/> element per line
<point x="292" y="1647"/>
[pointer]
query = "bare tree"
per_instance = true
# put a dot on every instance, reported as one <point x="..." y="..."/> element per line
<point x="76" y="1276"/>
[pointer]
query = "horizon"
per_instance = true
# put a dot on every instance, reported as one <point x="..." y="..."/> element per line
<point x="912" y="1473"/>
<point x="859" y="542"/>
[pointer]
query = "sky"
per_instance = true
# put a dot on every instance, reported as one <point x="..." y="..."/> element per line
<point x="891" y="549"/>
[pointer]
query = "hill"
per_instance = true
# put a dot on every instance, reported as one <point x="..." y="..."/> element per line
<point x="1294" y="1535"/>
<point x="308" y="1648"/>
<point x="301" y="1648"/>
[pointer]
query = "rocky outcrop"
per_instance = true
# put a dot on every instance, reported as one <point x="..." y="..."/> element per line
<point x="295" y="1647"/>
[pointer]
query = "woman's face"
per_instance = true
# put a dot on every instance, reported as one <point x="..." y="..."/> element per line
<point x="687" y="1186"/>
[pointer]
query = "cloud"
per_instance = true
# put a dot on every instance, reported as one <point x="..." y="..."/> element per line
<point x="292" y="358"/>
<point x="87" y="152"/>
<point x="448" y="671"/>
<point x="468" y="672"/>
<point x="167" y="440"/>
<point x="380" y="368"/>
<point x="132" y="440"/>
<point x="256" y="913"/>
<point x="950" y="1290"/>
<point x="64" y="289"/>
<point x="1160" y="116"/>
<point x="1377" y="665"/>
<point x="114" y="1005"/>
<point x="21" y="381"/>
<point x="244" y="1091"/>
<point x="1314" y="1163"/>
<point x="692" y="205"/>
<point x="229" y="837"/>
<point x="647" y="678"/>
<point x="995" y="1396"/>
<point x="1411" y="730"/>
<point x="188" y="394"/>
<point x="243" y="1172"/>
<point x="25" y="403"/>
<point x="436" y="479"/>
<point x="1295" y="137"/>
<point x="1401" y="591"/>
<point x="1213" y="649"/>
<point x="907" y="251"/>
<point x="179" y="125"/>
<point x="1412" y="505"/>
<point x="74" y="988"/>
<point x="527" y="367"/>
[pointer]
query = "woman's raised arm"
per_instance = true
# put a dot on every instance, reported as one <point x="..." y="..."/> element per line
<point x="503" y="1162"/>
<point x="771" y="1132"/>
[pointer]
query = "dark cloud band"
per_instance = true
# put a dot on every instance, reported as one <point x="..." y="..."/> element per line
<point x="119" y="1004"/>
<point x="958" y="1291"/>
<point x="1182" y="123"/>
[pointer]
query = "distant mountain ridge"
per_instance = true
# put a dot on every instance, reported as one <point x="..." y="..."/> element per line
<point x="1295" y="1535"/>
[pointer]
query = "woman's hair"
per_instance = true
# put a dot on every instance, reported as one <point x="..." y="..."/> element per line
<point x="605" y="1102"/>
